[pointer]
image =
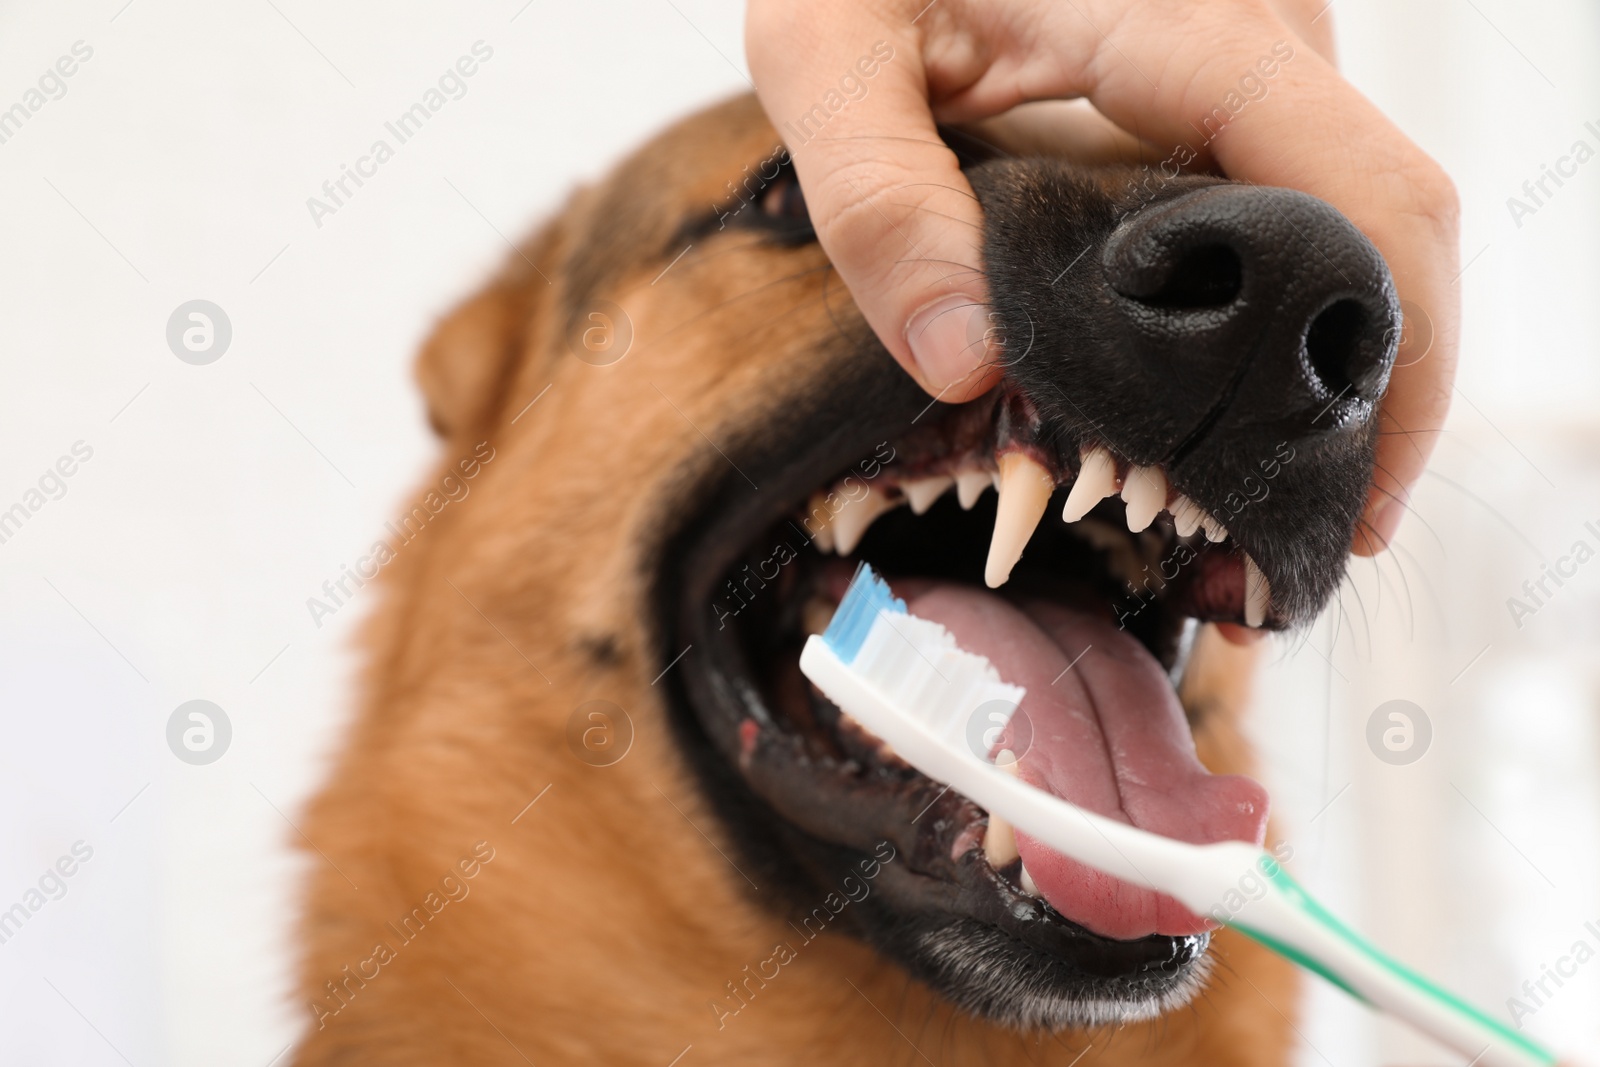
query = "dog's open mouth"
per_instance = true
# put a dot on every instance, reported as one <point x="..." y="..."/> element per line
<point x="1095" y="618"/>
<point x="1101" y="726"/>
<point x="1184" y="434"/>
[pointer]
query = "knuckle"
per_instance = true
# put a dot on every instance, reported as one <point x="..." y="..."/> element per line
<point x="1438" y="196"/>
<point x="850" y="212"/>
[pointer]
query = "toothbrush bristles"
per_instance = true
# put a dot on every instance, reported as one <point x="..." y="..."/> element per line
<point x="916" y="664"/>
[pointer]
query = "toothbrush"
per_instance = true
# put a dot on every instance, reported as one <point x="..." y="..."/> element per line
<point x="907" y="681"/>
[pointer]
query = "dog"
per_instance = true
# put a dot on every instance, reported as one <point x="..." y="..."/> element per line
<point x="589" y="811"/>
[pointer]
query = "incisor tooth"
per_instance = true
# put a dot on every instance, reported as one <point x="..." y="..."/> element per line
<point x="1096" y="480"/>
<point x="1185" y="515"/>
<point x="970" y="485"/>
<point x="1025" y="488"/>
<point x="922" y="492"/>
<point x="1028" y="885"/>
<point x="1000" y="840"/>
<point x="1144" y="490"/>
<point x="1215" y="531"/>
<point x="854" y="518"/>
<point x="1257" y="594"/>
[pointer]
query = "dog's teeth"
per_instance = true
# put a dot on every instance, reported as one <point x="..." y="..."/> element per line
<point x="816" y="613"/>
<point x="1186" y="515"/>
<point x="856" y="516"/>
<point x="1028" y="885"/>
<point x="1257" y="594"/>
<point x="1025" y="488"/>
<point x="1144" y="490"/>
<point x="970" y="485"/>
<point x="822" y="534"/>
<point x="1096" y="480"/>
<point x="1215" y="531"/>
<point x="922" y="492"/>
<point x="1000" y="840"/>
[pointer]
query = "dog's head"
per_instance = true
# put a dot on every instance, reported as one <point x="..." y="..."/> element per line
<point x="693" y="408"/>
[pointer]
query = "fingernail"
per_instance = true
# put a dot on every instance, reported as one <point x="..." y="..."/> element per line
<point x="944" y="343"/>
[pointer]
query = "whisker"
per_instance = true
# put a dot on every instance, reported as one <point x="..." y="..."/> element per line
<point x="1410" y="508"/>
<point x="1411" y="607"/>
<point x="931" y="259"/>
<point x="1365" y="618"/>
<point x="1427" y="586"/>
<point x="939" y="185"/>
<point x="940" y="214"/>
<point x="882" y="137"/>
<point x="1491" y="509"/>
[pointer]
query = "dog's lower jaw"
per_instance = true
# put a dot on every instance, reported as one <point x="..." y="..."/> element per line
<point x="981" y="961"/>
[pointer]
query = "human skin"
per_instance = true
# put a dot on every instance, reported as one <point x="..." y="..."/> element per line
<point x="899" y="221"/>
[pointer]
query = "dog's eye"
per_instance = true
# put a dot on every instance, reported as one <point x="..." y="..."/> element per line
<point x="784" y="200"/>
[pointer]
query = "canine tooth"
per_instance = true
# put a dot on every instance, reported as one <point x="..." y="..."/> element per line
<point x="856" y="516"/>
<point x="1215" y="531"/>
<point x="1028" y="885"/>
<point x="822" y="536"/>
<point x="1025" y="488"/>
<point x="970" y="485"/>
<point x="1144" y="490"/>
<point x="1096" y="480"/>
<point x="1186" y="515"/>
<point x="922" y="492"/>
<point x="1257" y="594"/>
<point x="1000" y="840"/>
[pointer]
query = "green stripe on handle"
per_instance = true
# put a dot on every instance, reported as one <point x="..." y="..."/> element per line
<point x="1304" y="900"/>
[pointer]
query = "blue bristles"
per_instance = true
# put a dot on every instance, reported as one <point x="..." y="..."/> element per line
<point x="867" y="596"/>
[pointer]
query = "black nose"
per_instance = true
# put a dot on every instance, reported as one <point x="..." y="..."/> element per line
<point x="1253" y="306"/>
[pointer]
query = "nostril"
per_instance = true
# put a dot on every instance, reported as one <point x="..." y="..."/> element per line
<point x="1333" y="345"/>
<point x="1208" y="276"/>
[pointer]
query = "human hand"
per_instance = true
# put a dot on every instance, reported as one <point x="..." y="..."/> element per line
<point x="900" y="223"/>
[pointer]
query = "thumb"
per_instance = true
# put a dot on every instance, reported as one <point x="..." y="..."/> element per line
<point x="848" y="94"/>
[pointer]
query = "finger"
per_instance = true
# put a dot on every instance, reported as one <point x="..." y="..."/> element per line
<point x="1312" y="22"/>
<point x="846" y="89"/>
<point x="1237" y="81"/>
<point x="1064" y="129"/>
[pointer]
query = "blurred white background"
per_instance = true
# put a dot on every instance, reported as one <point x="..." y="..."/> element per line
<point x="217" y="499"/>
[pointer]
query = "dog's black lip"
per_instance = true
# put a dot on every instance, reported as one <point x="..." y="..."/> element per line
<point x="712" y="693"/>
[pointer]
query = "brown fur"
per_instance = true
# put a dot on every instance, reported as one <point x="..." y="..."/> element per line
<point x="611" y="915"/>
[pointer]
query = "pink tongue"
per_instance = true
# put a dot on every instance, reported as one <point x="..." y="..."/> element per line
<point x="1108" y="735"/>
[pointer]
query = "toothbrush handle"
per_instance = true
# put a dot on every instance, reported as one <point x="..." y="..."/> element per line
<point x="1295" y="925"/>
